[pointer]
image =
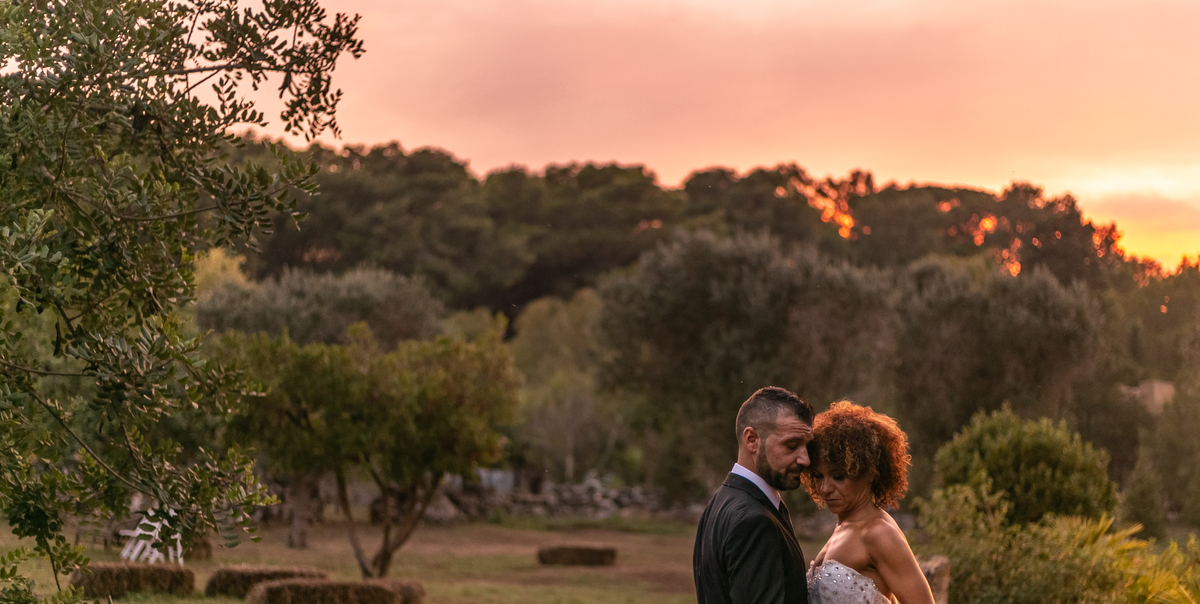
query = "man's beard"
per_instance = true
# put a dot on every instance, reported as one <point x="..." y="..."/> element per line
<point x="779" y="481"/>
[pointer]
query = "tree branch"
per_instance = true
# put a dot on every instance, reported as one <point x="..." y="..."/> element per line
<point x="39" y="371"/>
<point x="414" y="516"/>
<point x="344" y="501"/>
<point x="62" y="422"/>
<point x="120" y="217"/>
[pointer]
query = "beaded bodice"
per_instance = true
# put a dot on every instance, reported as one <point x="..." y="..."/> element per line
<point x="836" y="583"/>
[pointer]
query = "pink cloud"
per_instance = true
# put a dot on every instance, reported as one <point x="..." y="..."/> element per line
<point x="980" y="93"/>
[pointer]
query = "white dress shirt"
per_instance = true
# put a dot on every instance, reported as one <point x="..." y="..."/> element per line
<point x="749" y="474"/>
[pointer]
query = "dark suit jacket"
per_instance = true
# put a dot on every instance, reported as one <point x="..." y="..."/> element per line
<point x="746" y="551"/>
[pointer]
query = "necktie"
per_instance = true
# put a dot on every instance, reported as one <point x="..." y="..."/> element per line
<point x="787" y="516"/>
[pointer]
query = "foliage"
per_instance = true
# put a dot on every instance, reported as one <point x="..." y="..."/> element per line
<point x="217" y="267"/>
<point x="1173" y="443"/>
<point x="566" y="422"/>
<point x="1058" y="559"/>
<point x="313" y="307"/>
<point x="290" y="415"/>
<point x="498" y="243"/>
<point x="1164" y="315"/>
<point x="450" y="396"/>
<point x="111" y="179"/>
<point x="406" y="418"/>
<point x="1190" y="511"/>
<point x="1020" y="229"/>
<point x="417" y="214"/>
<point x="1040" y="468"/>
<point x="516" y="235"/>
<point x="1142" y="502"/>
<point x="702" y="322"/>
<point x="972" y="337"/>
<point x="784" y="201"/>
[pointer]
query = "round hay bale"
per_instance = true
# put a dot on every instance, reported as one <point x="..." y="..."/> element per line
<point x="320" y="591"/>
<point x="578" y="555"/>
<point x="236" y="581"/>
<point x="115" y="579"/>
<point x="409" y="592"/>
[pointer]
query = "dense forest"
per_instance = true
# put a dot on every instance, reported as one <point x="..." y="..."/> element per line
<point x="642" y="315"/>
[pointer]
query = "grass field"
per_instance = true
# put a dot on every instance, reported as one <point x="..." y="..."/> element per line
<point x="478" y="563"/>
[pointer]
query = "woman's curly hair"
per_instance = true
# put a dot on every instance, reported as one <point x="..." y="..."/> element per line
<point x="856" y="441"/>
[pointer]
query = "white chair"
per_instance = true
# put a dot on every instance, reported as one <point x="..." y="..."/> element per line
<point x="138" y="549"/>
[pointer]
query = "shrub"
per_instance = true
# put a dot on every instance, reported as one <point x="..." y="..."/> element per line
<point x="1041" y="468"/>
<point x="115" y="579"/>
<point x="1064" y="560"/>
<point x="236" y="581"/>
<point x="1143" y="501"/>
<point x="1191" y="502"/>
<point x="319" y="591"/>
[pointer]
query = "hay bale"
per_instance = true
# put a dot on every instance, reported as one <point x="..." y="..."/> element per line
<point x="578" y="555"/>
<point x="236" y="581"/>
<point x="937" y="573"/>
<point x="320" y="591"/>
<point x="115" y="579"/>
<point x="408" y="592"/>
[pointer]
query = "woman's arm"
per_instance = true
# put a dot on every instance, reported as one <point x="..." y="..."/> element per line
<point x="894" y="561"/>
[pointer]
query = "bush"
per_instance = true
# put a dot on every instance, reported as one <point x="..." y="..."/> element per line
<point x="1039" y="467"/>
<point x="1143" y="501"/>
<point x="115" y="579"/>
<point x="236" y="581"/>
<point x="321" y="307"/>
<point x="1191" y="502"/>
<point x="319" y="591"/>
<point x="1059" y="559"/>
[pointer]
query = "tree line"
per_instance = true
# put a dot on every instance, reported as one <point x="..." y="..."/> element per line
<point x="642" y="315"/>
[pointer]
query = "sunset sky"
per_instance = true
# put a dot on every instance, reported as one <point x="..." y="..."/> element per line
<point x="1099" y="98"/>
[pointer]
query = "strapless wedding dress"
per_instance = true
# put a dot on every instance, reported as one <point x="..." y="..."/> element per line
<point x="836" y="583"/>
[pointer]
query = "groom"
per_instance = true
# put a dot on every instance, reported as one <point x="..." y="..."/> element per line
<point x="746" y="551"/>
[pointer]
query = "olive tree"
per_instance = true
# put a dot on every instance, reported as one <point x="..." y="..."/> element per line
<point x="316" y="307"/>
<point x="434" y="411"/>
<point x="405" y="418"/>
<point x="701" y="322"/>
<point x="111" y="180"/>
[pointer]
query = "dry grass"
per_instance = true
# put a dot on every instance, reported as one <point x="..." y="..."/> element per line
<point x="473" y="563"/>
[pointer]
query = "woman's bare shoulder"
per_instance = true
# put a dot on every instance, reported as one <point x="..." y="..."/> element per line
<point x="881" y="534"/>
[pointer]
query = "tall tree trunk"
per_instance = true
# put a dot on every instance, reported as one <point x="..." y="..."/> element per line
<point x="300" y="498"/>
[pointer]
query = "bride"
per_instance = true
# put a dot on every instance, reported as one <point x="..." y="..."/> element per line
<point x="859" y="466"/>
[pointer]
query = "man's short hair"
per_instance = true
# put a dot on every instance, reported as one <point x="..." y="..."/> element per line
<point x="762" y="410"/>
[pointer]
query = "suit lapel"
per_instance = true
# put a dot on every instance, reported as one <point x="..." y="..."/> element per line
<point x="742" y="484"/>
<point x="781" y="513"/>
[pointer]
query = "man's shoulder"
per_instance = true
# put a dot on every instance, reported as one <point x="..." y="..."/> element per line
<point x="732" y="503"/>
